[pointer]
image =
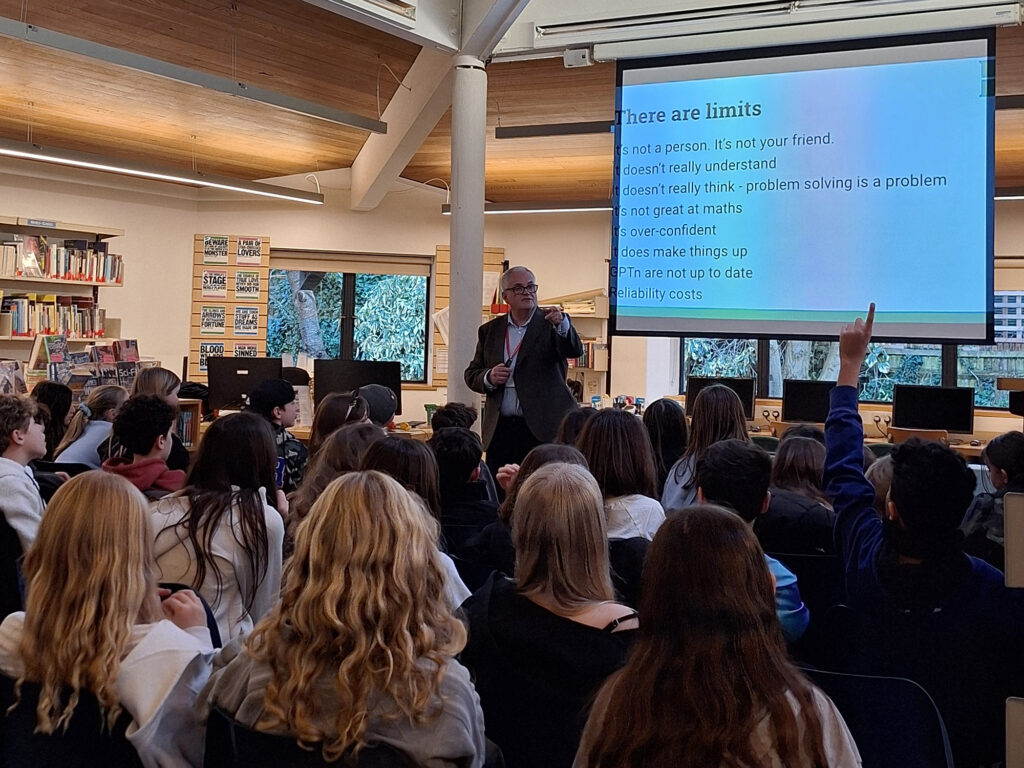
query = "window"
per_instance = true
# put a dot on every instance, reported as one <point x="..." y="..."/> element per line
<point x="734" y="358"/>
<point x="979" y="366"/>
<point x="318" y="313"/>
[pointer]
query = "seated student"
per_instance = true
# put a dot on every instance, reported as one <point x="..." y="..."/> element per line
<point x="934" y="614"/>
<point x="493" y="546"/>
<point x="143" y="428"/>
<point x="717" y="415"/>
<point x="879" y="474"/>
<point x="222" y="534"/>
<point x="799" y="518"/>
<point x="983" y="524"/>
<point x="94" y="622"/>
<point x="413" y="465"/>
<point x="462" y="415"/>
<point x="708" y="683"/>
<point x="91" y="426"/>
<point x="335" y="410"/>
<point x="57" y="399"/>
<point x="340" y="453"/>
<point x="665" y="421"/>
<point x="165" y="385"/>
<point x="620" y="458"/>
<point x="541" y="645"/>
<point x="275" y="401"/>
<point x="465" y="508"/>
<point x="22" y="440"/>
<point x="571" y="425"/>
<point x="381" y="402"/>
<point x="735" y="474"/>
<point x="362" y="646"/>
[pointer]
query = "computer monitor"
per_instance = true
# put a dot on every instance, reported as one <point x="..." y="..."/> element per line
<point x="348" y="375"/>
<point x="744" y="388"/>
<point x="805" y="400"/>
<point x="231" y="379"/>
<point x="920" y="407"/>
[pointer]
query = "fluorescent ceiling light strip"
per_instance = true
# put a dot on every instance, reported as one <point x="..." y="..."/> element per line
<point x="579" y="206"/>
<point x="96" y="163"/>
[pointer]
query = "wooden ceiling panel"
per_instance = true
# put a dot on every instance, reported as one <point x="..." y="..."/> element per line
<point x="1009" y="61"/>
<point x="1010" y="148"/>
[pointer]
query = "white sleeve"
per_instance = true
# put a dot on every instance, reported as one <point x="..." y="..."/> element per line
<point x="22" y="507"/>
<point x="269" y="590"/>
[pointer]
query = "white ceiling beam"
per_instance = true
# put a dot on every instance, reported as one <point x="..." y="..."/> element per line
<point x="413" y="112"/>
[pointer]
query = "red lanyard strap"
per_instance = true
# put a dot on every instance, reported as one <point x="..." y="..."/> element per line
<point x="514" y="352"/>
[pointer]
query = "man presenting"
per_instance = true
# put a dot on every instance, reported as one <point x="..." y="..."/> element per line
<point x="520" y="364"/>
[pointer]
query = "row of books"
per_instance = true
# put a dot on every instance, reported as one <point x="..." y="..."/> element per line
<point x="595" y="355"/>
<point x="32" y="256"/>
<point x="34" y="313"/>
<point x="187" y="428"/>
<point x="53" y="348"/>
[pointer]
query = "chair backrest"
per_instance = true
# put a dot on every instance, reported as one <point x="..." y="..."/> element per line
<point x="228" y="743"/>
<point x="901" y="435"/>
<point x="893" y="720"/>
<point x="84" y="744"/>
<point x="819" y="578"/>
<point x="1014" y="733"/>
<point x="779" y="428"/>
<point x="1013" y="527"/>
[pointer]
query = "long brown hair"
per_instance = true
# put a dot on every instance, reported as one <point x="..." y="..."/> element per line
<point x="335" y="411"/>
<point x="717" y="415"/>
<point x="90" y="577"/>
<point x="798" y="466"/>
<point x="538" y="456"/>
<point x="411" y="463"/>
<point x="709" y="662"/>
<point x="618" y="450"/>
<point x="363" y="608"/>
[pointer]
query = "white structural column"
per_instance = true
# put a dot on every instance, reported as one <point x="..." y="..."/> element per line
<point x="469" y="134"/>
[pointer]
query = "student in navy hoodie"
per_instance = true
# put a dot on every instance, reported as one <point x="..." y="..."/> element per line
<point x="931" y="613"/>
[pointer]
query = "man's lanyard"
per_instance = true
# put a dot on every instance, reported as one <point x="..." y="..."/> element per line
<point x="509" y="355"/>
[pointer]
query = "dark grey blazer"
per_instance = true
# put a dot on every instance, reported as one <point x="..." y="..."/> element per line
<point x="539" y="374"/>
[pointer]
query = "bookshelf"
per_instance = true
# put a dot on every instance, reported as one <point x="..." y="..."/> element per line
<point x="70" y="303"/>
<point x="589" y="313"/>
<point x="190" y="415"/>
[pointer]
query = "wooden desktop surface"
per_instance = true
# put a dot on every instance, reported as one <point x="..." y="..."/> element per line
<point x="301" y="431"/>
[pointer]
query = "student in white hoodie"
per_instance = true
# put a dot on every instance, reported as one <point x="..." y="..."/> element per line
<point x="94" y="622"/>
<point x="22" y="439"/>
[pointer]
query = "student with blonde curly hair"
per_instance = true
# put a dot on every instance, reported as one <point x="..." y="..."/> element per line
<point x="361" y="647"/>
<point x="94" y="624"/>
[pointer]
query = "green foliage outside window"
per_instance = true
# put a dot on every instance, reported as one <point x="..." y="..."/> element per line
<point x="391" y="321"/>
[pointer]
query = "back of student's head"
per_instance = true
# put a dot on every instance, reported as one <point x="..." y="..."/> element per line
<point x="559" y="536"/>
<point x="572" y="424"/>
<point x="453" y="415"/>
<point x="100" y="404"/>
<point x="236" y="450"/>
<point x="665" y="421"/>
<point x="735" y="474"/>
<point x="1006" y="452"/>
<point x="89" y="578"/>
<point x="879" y="474"/>
<point x="798" y="466"/>
<point x="931" y="489"/>
<point x="335" y="410"/>
<point x="708" y="633"/>
<point x="16" y="412"/>
<point x="140" y="421"/>
<point x="619" y="453"/>
<point x="411" y="463"/>
<point x="458" y="452"/>
<point x="57" y="399"/>
<point x="812" y="431"/>
<point x="717" y="415"/>
<point x="362" y="605"/>
<point x="156" y="381"/>
<point x="546" y="453"/>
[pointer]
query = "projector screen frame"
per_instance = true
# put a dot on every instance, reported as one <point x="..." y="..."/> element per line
<point x="988" y="35"/>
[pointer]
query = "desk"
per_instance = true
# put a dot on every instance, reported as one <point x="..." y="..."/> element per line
<point x="301" y="431"/>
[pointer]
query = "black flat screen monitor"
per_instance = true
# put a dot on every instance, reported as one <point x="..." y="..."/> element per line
<point x="805" y="400"/>
<point x="231" y="379"/>
<point x="920" y="407"/>
<point x="348" y="375"/>
<point x="744" y="388"/>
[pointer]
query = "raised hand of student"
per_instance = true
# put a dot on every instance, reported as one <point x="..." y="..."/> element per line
<point x="507" y="475"/>
<point x="853" y="348"/>
<point x="184" y="608"/>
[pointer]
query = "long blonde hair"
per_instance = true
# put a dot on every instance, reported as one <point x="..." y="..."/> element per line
<point x="105" y="397"/>
<point x="90" y="577"/>
<point x="560" y="540"/>
<point x="156" y="381"/>
<point x="363" y="604"/>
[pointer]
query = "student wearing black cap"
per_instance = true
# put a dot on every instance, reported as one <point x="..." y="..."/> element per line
<point x="274" y="399"/>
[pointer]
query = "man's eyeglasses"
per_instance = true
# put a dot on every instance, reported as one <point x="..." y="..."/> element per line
<point x="519" y="290"/>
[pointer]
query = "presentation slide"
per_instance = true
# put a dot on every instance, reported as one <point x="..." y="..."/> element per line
<point x="778" y="196"/>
